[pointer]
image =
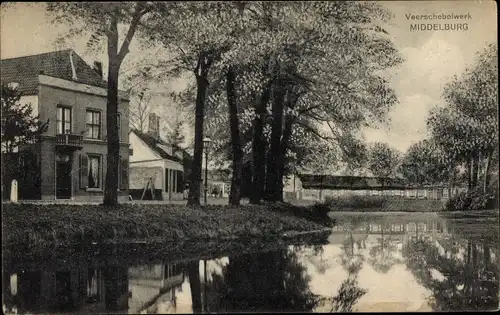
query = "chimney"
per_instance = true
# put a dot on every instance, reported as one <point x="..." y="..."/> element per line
<point x="154" y="126"/>
<point x="98" y="68"/>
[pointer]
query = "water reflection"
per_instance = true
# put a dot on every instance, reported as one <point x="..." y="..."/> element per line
<point x="456" y="282"/>
<point x="411" y="263"/>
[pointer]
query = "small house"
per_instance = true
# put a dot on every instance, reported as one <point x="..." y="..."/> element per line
<point x="157" y="169"/>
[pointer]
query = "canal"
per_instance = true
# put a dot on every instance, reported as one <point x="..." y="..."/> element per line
<point x="368" y="262"/>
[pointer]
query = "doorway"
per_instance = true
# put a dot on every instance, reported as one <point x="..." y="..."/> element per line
<point x="63" y="176"/>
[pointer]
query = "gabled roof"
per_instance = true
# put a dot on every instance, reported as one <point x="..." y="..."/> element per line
<point x="155" y="143"/>
<point x="25" y="70"/>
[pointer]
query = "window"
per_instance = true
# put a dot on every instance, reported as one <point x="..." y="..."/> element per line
<point x="411" y="227"/>
<point x="63" y="120"/>
<point x="93" y="124"/>
<point x="397" y="227"/>
<point x="94" y="175"/>
<point x="422" y="227"/>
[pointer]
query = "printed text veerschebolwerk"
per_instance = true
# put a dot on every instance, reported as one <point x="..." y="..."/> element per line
<point x="431" y="22"/>
<point x="441" y="16"/>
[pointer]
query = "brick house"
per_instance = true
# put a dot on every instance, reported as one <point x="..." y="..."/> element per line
<point x="70" y="157"/>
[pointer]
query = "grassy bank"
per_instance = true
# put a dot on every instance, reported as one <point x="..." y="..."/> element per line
<point x="34" y="224"/>
<point x="382" y="204"/>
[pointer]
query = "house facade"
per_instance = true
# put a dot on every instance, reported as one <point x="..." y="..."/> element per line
<point x="156" y="165"/>
<point x="70" y="157"/>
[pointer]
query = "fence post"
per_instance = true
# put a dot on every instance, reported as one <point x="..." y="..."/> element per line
<point x="13" y="191"/>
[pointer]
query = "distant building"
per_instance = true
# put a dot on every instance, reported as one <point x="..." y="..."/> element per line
<point x="69" y="160"/>
<point x="318" y="187"/>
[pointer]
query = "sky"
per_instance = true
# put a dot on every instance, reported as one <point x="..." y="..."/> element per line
<point x="431" y="57"/>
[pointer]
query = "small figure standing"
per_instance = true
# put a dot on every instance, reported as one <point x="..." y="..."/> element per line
<point x="186" y="191"/>
<point x="215" y="191"/>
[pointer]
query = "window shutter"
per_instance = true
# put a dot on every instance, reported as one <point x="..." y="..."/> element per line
<point x="124" y="173"/>
<point x="84" y="170"/>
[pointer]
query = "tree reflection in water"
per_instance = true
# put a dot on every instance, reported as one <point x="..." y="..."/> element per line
<point x="349" y="292"/>
<point x="382" y="254"/>
<point x="467" y="283"/>
<point x="272" y="281"/>
<point x="382" y="257"/>
<point x="352" y="261"/>
<point x="195" y="285"/>
<point x="351" y="251"/>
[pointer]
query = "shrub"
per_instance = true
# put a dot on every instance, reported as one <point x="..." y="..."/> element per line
<point x="356" y="202"/>
<point x="382" y="204"/>
<point x="473" y="200"/>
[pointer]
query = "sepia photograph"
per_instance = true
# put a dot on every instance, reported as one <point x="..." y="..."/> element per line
<point x="180" y="157"/>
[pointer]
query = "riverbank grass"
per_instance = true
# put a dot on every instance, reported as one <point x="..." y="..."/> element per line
<point x="37" y="224"/>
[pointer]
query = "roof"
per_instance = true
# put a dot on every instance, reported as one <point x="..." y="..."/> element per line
<point x="348" y="182"/>
<point x="25" y="70"/>
<point x="155" y="143"/>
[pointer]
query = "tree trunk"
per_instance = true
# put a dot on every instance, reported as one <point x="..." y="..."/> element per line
<point x="480" y="159"/>
<point x="195" y="180"/>
<point x="273" y="156"/>
<point x="453" y="178"/>
<point x="487" y="256"/>
<point x="259" y="145"/>
<point x="475" y="169"/>
<point x="287" y="132"/>
<point x="195" y="286"/>
<point x="470" y="164"/>
<point x="487" y="171"/>
<point x="235" y="194"/>
<point x="111" y="187"/>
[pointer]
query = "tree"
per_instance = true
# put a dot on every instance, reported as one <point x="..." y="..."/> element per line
<point x="102" y="20"/>
<point x="19" y="128"/>
<point x="423" y="164"/>
<point x="383" y="160"/>
<point x="289" y="55"/>
<point x="19" y="125"/>
<point x="326" y="96"/>
<point x="235" y="193"/>
<point x="466" y="129"/>
<point x="198" y="34"/>
<point x="176" y="138"/>
<point x="282" y="56"/>
<point x="139" y="110"/>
